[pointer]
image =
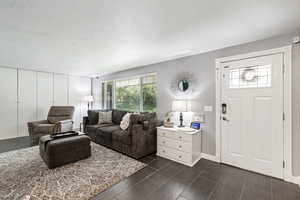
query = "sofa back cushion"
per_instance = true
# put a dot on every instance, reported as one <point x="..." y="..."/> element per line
<point x="117" y="116"/>
<point x="93" y="116"/>
<point x="105" y="117"/>
<point x="145" y="116"/>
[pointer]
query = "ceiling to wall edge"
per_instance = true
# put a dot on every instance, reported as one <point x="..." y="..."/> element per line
<point x="51" y="72"/>
<point x="188" y="53"/>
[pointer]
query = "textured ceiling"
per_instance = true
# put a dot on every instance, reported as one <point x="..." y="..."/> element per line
<point x="87" y="37"/>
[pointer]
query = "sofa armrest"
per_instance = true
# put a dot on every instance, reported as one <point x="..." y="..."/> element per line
<point x="33" y="124"/>
<point x="64" y="125"/>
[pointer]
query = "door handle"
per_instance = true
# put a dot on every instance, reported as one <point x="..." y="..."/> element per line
<point x="224" y="108"/>
<point x="225" y="119"/>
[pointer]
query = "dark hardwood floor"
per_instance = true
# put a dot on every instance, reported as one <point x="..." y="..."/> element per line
<point x="163" y="179"/>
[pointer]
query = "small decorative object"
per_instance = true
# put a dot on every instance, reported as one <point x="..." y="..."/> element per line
<point x="249" y="75"/>
<point x="167" y="121"/>
<point x="180" y="106"/>
<point x="195" y="125"/>
<point x="90" y="100"/>
<point x="184" y="84"/>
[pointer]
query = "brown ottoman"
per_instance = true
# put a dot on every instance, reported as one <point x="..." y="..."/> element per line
<point x="61" y="151"/>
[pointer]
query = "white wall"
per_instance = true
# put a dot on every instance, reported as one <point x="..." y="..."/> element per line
<point x="27" y="95"/>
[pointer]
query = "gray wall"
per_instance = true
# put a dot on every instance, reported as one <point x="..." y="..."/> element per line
<point x="203" y="66"/>
<point x="296" y="109"/>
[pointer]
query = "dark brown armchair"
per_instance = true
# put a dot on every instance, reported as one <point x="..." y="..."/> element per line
<point x="59" y="120"/>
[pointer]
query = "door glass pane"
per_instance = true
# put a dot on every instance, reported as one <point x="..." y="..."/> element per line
<point x="250" y="77"/>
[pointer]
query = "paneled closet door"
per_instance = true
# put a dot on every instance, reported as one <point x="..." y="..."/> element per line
<point x="8" y="105"/>
<point x="27" y="99"/>
<point x="44" y="94"/>
<point x="60" y="89"/>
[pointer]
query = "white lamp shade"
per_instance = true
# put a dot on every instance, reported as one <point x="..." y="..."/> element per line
<point x="89" y="98"/>
<point x="181" y="106"/>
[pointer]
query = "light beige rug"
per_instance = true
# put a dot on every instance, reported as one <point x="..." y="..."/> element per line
<point x="23" y="175"/>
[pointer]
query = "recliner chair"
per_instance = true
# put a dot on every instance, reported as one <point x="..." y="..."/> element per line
<point x="60" y="119"/>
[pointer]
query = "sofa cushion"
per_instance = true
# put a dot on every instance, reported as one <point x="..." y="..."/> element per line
<point x="109" y="129"/>
<point x="93" y="128"/>
<point x="121" y="136"/>
<point x="125" y="121"/>
<point x="117" y="116"/>
<point x="105" y="117"/>
<point x="104" y="134"/>
<point x="44" y="129"/>
<point x="147" y="117"/>
<point x="93" y="116"/>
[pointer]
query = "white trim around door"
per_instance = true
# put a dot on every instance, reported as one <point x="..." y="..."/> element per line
<point x="287" y="129"/>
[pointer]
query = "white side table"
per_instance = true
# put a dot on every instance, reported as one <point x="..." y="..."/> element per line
<point x="179" y="146"/>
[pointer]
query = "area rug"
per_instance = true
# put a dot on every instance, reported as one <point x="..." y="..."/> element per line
<point x="24" y="175"/>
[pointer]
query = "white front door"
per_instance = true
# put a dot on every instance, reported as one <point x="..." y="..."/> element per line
<point x="252" y="114"/>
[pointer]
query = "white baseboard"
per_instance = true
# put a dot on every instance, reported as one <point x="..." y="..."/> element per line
<point x="210" y="157"/>
<point x="288" y="177"/>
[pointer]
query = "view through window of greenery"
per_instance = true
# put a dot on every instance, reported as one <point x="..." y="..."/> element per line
<point x="128" y="95"/>
<point x="149" y="94"/>
<point x="138" y="94"/>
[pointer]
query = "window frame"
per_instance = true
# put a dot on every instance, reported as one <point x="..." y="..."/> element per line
<point x="140" y="77"/>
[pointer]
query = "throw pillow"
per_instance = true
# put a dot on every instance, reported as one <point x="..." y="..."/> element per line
<point x="105" y="117"/>
<point x="125" y="121"/>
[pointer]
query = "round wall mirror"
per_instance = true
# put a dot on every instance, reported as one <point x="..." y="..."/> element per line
<point x="183" y="85"/>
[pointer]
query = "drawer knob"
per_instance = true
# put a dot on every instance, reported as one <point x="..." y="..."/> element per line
<point x="179" y="156"/>
<point x="180" y="137"/>
<point x="163" y="142"/>
<point x="164" y="133"/>
<point x="179" y="146"/>
<point x="163" y="151"/>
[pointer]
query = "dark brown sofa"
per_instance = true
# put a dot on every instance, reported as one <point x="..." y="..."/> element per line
<point x="137" y="141"/>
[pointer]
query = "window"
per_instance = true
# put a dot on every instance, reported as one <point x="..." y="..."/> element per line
<point x="128" y="95"/>
<point x="107" y="95"/>
<point x="250" y="77"/>
<point x="136" y="94"/>
<point x="149" y="93"/>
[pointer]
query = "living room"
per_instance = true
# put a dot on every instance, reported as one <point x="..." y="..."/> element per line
<point x="170" y="100"/>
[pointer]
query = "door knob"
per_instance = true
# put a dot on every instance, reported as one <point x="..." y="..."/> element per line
<point x="225" y="119"/>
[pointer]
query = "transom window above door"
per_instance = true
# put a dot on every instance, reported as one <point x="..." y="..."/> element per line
<point x="250" y="77"/>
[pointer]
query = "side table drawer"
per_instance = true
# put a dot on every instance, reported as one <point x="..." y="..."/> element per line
<point x="175" y="135"/>
<point x="174" y="154"/>
<point x="175" y="144"/>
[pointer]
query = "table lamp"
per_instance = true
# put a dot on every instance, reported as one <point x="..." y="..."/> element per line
<point x="180" y="106"/>
<point x="90" y="100"/>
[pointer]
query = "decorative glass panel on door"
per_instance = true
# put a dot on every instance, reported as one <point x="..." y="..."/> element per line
<point x="250" y="77"/>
